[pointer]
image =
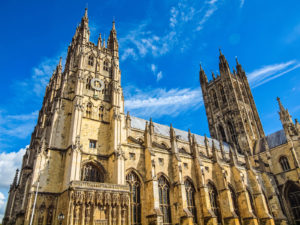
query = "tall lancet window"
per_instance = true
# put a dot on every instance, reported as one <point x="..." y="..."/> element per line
<point x="222" y="92"/>
<point x="164" y="199"/>
<point x="89" y="110"/>
<point x="91" y="173"/>
<point x="190" y="197"/>
<point x="284" y="162"/>
<point x="213" y="197"/>
<point x="234" y="201"/>
<point x="135" y="190"/>
<point x="91" y="60"/>
<point x="214" y="97"/>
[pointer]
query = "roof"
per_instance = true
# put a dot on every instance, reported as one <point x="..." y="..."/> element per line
<point x="276" y="139"/>
<point x="164" y="130"/>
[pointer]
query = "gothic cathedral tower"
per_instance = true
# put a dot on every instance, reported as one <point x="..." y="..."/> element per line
<point x="230" y="107"/>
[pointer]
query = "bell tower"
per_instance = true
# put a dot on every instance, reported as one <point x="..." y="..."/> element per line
<point x="230" y="108"/>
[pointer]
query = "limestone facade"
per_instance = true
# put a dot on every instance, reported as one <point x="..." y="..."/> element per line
<point x="96" y="165"/>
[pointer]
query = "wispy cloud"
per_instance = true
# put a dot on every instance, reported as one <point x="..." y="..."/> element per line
<point x="158" y="75"/>
<point x="142" y="40"/>
<point x="159" y="102"/>
<point x="270" y="72"/>
<point x="19" y="126"/>
<point x="242" y="2"/>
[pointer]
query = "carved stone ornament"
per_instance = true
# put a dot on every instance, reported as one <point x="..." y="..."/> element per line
<point x="97" y="84"/>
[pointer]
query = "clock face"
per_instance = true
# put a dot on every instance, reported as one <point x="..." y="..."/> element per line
<point x="97" y="84"/>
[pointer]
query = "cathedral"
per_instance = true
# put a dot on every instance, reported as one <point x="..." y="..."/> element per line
<point x="90" y="163"/>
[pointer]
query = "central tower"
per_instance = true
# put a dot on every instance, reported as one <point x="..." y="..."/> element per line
<point x="230" y="108"/>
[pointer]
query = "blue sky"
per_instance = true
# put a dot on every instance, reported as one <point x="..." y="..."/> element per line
<point x="161" y="45"/>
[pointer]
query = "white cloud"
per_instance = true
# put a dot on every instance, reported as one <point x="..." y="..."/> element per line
<point x="183" y="17"/>
<point x="2" y="205"/>
<point x="9" y="162"/>
<point x="19" y="126"/>
<point x="270" y="72"/>
<point x="159" y="75"/>
<point x="159" y="102"/>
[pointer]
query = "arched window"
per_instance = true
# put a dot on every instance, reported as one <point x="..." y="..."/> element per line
<point x="284" y="162"/>
<point x="89" y="110"/>
<point x="190" y="197"/>
<point x="105" y="65"/>
<point x="234" y="201"/>
<point x="232" y="133"/>
<point x="135" y="190"/>
<point x="214" y="98"/>
<point x="222" y="133"/>
<point x="222" y="94"/>
<point x="91" y="60"/>
<point x="213" y="197"/>
<point x="88" y="83"/>
<point x="293" y="198"/>
<point x="164" y="199"/>
<point x="251" y="202"/>
<point x="91" y="173"/>
<point x="101" y="108"/>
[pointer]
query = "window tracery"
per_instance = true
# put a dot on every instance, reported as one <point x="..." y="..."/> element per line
<point x="284" y="162"/>
<point x="91" y="173"/>
<point x="164" y="199"/>
<point x="135" y="190"/>
<point x="91" y="60"/>
<point x="213" y="197"/>
<point x="89" y="110"/>
<point x="190" y="197"/>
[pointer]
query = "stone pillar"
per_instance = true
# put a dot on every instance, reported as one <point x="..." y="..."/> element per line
<point x="154" y="215"/>
<point x="243" y="200"/>
<point x="206" y="216"/>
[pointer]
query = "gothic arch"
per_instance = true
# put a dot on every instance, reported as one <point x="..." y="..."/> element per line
<point x="136" y="187"/>
<point x="284" y="162"/>
<point x="133" y="170"/>
<point x="251" y="200"/>
<point x="164" y="198"/>
<point x="97" y="170"/>
<point x="291" y="196"/>
<point x="234" y="199"/>
<point x="214" y="200"/>
<point x="190" y="197"/>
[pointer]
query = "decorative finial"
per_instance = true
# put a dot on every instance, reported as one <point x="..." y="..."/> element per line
<point x="86" y="12"/>
<point x="220" y="51"/>
<point x="213" y="75"/>
<point x="60" y="59"/>
<point x="236" y="59"/>
<point x="114" y="24"/>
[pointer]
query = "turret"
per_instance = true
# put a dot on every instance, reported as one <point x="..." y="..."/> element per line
<point x="202" y="77"/>
<point x="223" y="65"/>
<point x="289" y="127"/>
<point x="112" y="42"/>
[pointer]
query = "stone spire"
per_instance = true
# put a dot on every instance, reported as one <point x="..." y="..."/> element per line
<point x="202" y="77"/>
<point x="284" y="114"/>
<point x="112" y="42"/>
<point x="14" y="184"/>
<point x="99" y="41"/>
<point x="223" y="65"/>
